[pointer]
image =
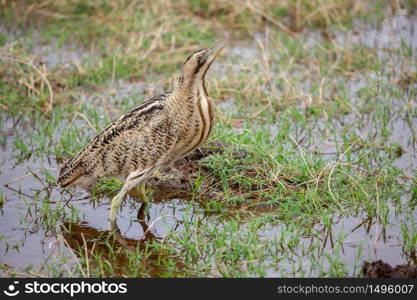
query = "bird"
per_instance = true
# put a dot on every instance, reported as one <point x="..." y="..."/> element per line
<point x="149" y="137"/>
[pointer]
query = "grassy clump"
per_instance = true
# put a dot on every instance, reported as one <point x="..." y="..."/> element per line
<point x="315" y="128"/>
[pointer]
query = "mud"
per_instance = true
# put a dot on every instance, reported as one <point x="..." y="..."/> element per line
<point x="25" y="242"/>
<point x="378" y="269"/>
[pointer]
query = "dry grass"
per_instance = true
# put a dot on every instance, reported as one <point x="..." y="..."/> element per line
<point x="322" y="118"/>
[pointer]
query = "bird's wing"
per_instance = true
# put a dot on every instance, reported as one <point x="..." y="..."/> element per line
<point x="138" y="139"/>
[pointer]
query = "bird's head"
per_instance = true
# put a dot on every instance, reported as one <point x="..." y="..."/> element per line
<point x="196" y="65"/>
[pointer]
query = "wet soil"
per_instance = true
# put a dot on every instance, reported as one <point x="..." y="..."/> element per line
<point x="378" y="269"/>
<point x="26" y="242"/>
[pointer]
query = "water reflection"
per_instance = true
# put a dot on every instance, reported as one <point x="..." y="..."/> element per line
<point x="116" y="250"/>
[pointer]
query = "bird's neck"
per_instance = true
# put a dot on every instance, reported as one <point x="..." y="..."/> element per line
<point x="190" y="89"/>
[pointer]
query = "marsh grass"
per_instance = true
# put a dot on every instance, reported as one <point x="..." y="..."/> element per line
<point x="316" y="126"/>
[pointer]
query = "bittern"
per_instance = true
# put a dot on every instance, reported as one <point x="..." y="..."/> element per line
<point x="150" y="136"/>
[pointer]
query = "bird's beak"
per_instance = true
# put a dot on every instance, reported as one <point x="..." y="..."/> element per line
<point x="216" y="50"/>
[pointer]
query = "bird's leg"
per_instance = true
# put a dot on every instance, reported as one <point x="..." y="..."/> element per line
<point x="142" y="193"/>
<point x="115" y="204"/>
<point x="144" y="197"/>
<point x="131" y="181"/>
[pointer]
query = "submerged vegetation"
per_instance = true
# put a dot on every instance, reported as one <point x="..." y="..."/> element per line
<point x="310" y="169"/>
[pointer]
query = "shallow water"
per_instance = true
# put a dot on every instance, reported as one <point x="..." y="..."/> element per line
<point x="360" y="235"/>
<point x="27" y="244"/>
<point x="24" y="243"/>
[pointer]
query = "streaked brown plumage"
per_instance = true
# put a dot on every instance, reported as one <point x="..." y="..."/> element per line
<point x="153" y="135"/>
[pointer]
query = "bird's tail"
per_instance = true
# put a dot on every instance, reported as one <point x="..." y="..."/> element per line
<point x="68" y="174"/>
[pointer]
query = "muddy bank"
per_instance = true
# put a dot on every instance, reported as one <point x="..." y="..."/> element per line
<point x="377" y="269"/>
